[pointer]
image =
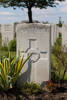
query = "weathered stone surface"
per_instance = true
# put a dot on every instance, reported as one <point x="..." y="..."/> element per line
<point x="0" y="28"/>
<point x="55" y="30"/>
<point x="35" y="39"/>
<point x="53" y="34"/>
<point x="64" y="37"/>
<point x="7" y="32"/>
<point x="59" y="30"/>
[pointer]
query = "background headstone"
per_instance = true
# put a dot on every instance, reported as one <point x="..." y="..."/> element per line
<point x="7" y="32"/>
<point x="59" y="30"/>
<point x="53" y="34"/>
<point x="64" y="35"/>
<point x="0" y="28"/>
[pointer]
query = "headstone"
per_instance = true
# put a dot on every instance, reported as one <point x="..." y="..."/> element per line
<point x="34" y="38"/>
<point x="53" y="34"/>
<point x="64" y="35"/>
<point x="0" y="28"/>
<point x="7" y="32"/>
<point x="55" y="30"/>
<point x="59" y="30"/>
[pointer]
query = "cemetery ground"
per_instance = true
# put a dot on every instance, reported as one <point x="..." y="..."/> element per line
<point x="55" y="89"/>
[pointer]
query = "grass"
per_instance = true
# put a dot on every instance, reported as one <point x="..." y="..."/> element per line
<point x="3" y="52"/>
<point x="6" y="53"/>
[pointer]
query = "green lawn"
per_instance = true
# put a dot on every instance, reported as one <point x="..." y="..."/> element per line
<point x="6" y="53"/>
<point x="3" y="52"/>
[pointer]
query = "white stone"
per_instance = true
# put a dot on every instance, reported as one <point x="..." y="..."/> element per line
<point x="0" y="28"/>
<point x="53" y="34"/>
<point x="55" y="30"/>
<point x="59" y="30"/>
<point x="64" y="35"/>
<point x="7" y="31"/>
<point x="34" y="38"/>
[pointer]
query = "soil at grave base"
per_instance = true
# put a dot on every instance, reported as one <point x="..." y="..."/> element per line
<point x="13" y="94"/>
<point x="44" y="96"/>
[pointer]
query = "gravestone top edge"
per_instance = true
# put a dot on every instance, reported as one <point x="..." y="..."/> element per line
<point x="7" y="24"/>
<point x="34" y="24"/>
<point x="31" y="25"/>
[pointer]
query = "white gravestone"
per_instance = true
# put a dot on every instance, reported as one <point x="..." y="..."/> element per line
<point x="0" y="28"/>
<point x="55" y="30"/>
<point x="53" y="34"/>
<point x="59" y="30"/>
<point x="35" y="39"/>
<point x="64" y="35"/>
<point x="7" y="32"/>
